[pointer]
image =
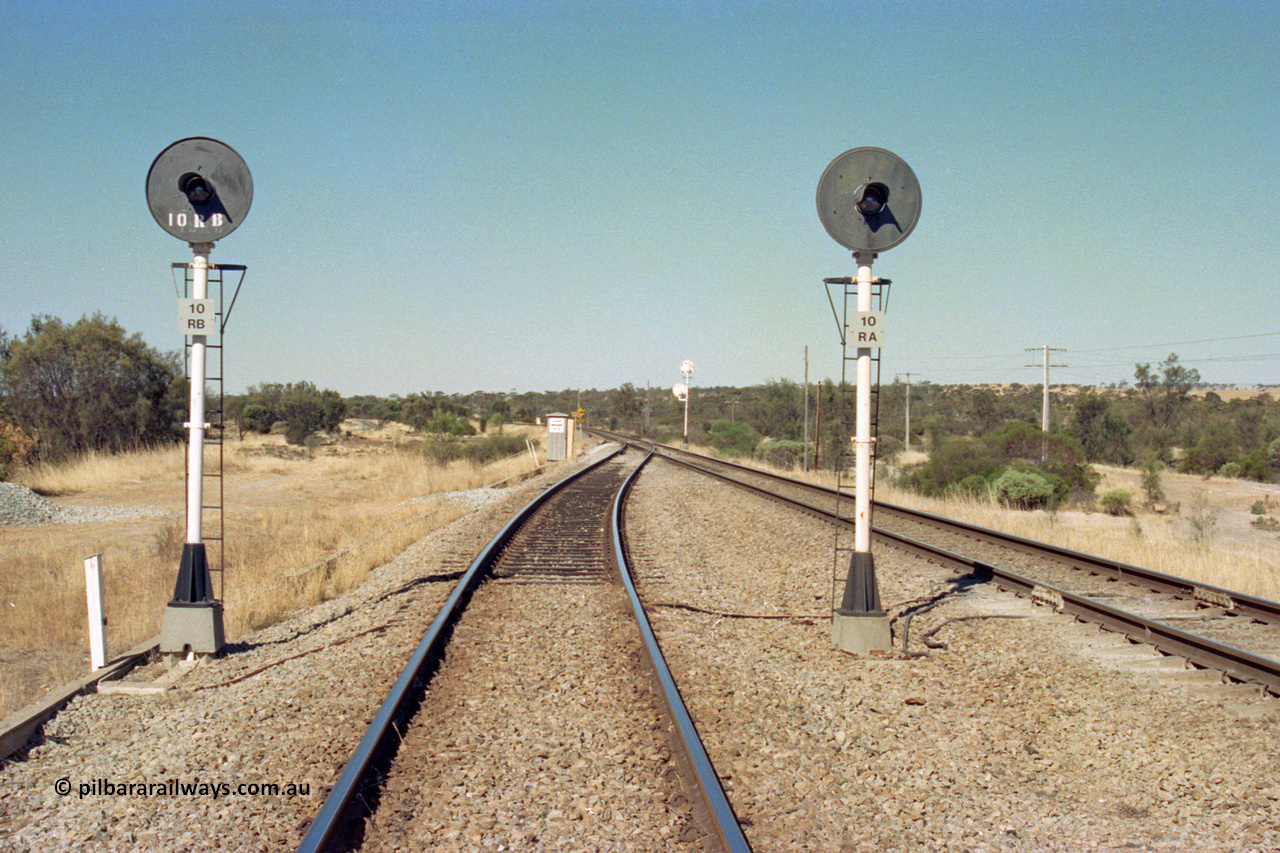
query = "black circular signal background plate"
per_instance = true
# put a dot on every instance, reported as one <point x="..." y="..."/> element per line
<point x="842" y="219"/>
<point x="222" y="169"/>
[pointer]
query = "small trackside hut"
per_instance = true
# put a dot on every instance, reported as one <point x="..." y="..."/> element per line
<point x="561" y="431"/>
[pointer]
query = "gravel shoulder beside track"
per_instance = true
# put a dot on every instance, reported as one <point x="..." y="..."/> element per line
<point x="287" y="706"/>
<point x="1009" y="740"/>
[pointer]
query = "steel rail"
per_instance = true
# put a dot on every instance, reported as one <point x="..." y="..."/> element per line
<point x="724" y="823"/>
<point x="383" y="733"/>
<point x="1234" y="663"/>
<point x="1240" y="603"/>
<point x="1201" y="651"/>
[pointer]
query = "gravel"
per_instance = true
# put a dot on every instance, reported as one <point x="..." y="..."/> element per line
<point x="287" y="706"/>
<point x="1013" y="738"/>
<point x="19" y="505"/>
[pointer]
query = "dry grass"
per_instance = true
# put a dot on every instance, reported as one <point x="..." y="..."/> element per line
<point x="100" y="470"/>
<point x="1244" y="560"/>
<point x="1226" y="552"/>
<point x="301" y="527"/>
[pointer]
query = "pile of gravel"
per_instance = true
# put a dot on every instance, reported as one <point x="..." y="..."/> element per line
<point x="19" y="505"/>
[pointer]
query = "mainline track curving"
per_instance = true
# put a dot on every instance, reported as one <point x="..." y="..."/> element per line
<point x="1214" y="620"/>
<point x="536" y="654"/>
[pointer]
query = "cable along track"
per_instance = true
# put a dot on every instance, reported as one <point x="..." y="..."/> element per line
<point x="540" y="725"/>
<point x="1206" y="626"/>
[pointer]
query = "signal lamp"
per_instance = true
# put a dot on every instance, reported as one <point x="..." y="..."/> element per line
<point x="871" y="198"/>
<point x="196" y="188"/>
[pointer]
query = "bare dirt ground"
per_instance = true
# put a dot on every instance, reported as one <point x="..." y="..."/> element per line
<point x="1229" y="503"/>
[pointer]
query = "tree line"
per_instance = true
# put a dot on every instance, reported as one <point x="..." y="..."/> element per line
<point x="66" y="388"/>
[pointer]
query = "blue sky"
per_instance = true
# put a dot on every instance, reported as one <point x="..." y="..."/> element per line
<point x="477" y="195"/>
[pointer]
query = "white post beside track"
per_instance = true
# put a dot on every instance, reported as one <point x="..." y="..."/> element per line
<point x="97" y="616"/>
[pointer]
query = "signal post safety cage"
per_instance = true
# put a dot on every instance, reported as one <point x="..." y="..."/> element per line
<point x="847" y="288"/>
<point x="213" y="528"/>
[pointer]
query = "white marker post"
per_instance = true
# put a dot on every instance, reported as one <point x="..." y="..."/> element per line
<point x="97" y="612"/>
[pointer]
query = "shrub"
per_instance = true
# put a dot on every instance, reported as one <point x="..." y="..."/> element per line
<point x="306" y="410"/>
<point x="952" y="463"/>
<point x="446" y="448"/>
<point x="974" y="484"/>
<point x="15" y="447"/>
<point x="89" y="386"/>
<point x="258" y="418"/>
<point x="1230" y="469"/>
<point x="1022" y="489"/>
<point x="1117" y="502"/>
<point x="1151" y="485"/>
<point x="734" y="439"/>
<point x="784" y="454"/>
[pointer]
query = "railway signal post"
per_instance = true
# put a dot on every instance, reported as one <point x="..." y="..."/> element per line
<point x="199" y="190"/>
<point x="682" y="392"/>
<point x="868" y="201"/>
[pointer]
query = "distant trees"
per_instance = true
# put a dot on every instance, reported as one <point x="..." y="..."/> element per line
<point x="304" y="409"/>
<point x="1165" y="391"/>
<point x="627" y="405"/>
<point x="88" y="385"/>
<point x="1104" y="435"/>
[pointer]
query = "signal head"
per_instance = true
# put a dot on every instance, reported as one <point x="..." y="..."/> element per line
<point x="868" y="199"/>
<point x="199" y="189"/>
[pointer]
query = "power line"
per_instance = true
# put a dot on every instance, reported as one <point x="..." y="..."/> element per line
<point x="1182" y="343"/>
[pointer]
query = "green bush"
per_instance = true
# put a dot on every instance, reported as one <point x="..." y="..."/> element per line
<point x="1022" y="489"/>
<point x="733" y="439"/>
<point x="1117" y="502"/>
<point x="974" y="484"/>
<point x="1230" y="469"/>
<point x="1151" y="484"/>
<point x="445" y="448"/>
<point x="88" y="385"/>
<point x="258" y="418"/>
<point x="953" y="462"/>
<point x="306" y="410"/>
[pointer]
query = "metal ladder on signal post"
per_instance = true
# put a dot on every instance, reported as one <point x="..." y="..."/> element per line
<point x="213" y="529"/>
<point x="848" y="293"/>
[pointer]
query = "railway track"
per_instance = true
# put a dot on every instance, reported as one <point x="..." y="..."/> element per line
<point x="547" y="708"/>
<point x="1207" y="627"/>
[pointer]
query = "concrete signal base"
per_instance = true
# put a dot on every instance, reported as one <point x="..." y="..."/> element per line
<point x="861" y="633"/>
<point x="191" y="629"/>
